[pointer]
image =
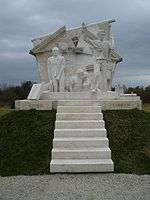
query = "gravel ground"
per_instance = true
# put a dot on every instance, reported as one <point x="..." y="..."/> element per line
<point x="75" y="187"/>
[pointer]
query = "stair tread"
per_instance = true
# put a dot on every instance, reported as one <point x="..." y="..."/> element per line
<point x="80" y="138"/>
<point x="100" y="113"/>
<point x="78" y="100"/>
<point x="80" y="129"/>
<point x="81" y="161"/>
<point x="80" y="120"/>
<point x="82" y="106"/>
<point x="81" y="149"/>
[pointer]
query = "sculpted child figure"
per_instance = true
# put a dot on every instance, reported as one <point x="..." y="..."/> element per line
<point x="56" y="70"/>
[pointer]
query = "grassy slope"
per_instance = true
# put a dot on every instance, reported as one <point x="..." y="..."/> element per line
<point x="4" y="111"/>
<point x="26" y="141"/>
<point x="146" y="107"/>
<point x="129" y="136"/>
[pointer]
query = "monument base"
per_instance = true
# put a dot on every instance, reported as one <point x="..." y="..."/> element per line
<point x="108" y="100"/>
<point x="33" y="104"/>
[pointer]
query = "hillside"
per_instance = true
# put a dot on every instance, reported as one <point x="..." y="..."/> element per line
<point x="26" y="141"/>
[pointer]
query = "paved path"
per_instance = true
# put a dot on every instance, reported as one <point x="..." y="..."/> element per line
<point x="75" y="187"/>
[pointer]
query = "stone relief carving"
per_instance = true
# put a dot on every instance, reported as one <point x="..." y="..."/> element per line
<point x="77" y="81"/>
<point x="119" y="89"/>
<point x="100" y="43"/>
<point x="103" y="67"/>
<point x="69" y="77"/>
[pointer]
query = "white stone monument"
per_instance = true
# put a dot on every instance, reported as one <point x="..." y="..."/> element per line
<point x="76" y="69"/>
<point x="78" y="64"/>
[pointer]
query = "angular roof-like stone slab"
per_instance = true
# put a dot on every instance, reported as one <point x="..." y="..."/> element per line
<point x="41" y="42"/>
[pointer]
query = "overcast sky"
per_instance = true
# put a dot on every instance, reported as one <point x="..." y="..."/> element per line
<point x="23" y="20"/>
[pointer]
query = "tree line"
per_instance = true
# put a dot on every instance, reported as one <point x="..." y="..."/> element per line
<point x="8" y="94"/>
<point x="143" y="92"/>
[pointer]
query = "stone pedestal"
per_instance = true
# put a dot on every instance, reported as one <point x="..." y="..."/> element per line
<point x="108" y="101"/>
<point x="33" y="104"/>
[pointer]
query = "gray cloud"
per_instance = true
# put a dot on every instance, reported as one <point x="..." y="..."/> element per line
<point x="22" y="20"/>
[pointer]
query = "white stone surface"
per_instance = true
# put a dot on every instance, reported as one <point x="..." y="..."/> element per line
<point x="79" y="116"/>
<point x="33" y="104"/>
<point x="79" y="124"/>
<point x="80" y="143"/>
<point x="122" y="103"/>
<point x="90" y="153"/>
<point x="78" y="103"/>
<point x="35" y="92"/>
<point x="75" y="143"/>
<point x="78" y="109"/>
<point x="78" y="46"/>
<point x="81" y="165"/>
<point x="56" y="70"/>
<point x="65" y="133"/>
<point x="88" y="96"/>
<point x="78" y="64"/>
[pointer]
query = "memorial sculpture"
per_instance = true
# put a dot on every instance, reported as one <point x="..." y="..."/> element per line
<point x="76" y="69"/>
<point x="78" y="63"/>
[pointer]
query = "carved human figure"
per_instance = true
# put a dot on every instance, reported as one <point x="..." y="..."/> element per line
<point x="98" y="81"/>
<point x="109" y="67"/>
<point x="78" y="81"/>
<point x="56" y="65"/>
<point x="106" y="48"/>
<point x="82" y="79"/>
<point x="95" y="41"/>
<point x="119" y="89"/>
<point x="101" y="45"/>
<point x="70" y="82"/>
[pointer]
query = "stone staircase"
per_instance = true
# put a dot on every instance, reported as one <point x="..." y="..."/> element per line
<point x="80" y="143"/>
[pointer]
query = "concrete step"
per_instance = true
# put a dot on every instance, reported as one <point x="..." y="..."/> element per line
<point x="79" y="109"/>
<point x="78" y="103"/>
<point x="79" y="124"/>
<point x="60" y="96"/>
<point x="73" y="143"/>
<point x="79" y="116"/>
<point x="63" y="133"/>
<point x="81" y="165"/>
<point x="89" y="153"/>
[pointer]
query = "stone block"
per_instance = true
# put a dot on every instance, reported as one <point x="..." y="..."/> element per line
<point x="65" y="133"/>
<point x="120" y="104"/>
<point x="33" y="104"/>
<point x="73" y="143"/>
<point x="79" y="124"/>
<point x="78" y="103"/>
<point x="78" y="109"/>
<point x="81" y="165"/>
<point x="79" y="116"/>
<point x="89" y="153"/>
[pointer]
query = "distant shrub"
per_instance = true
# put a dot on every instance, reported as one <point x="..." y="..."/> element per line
<point x="144" y="93"/>
<point x="9" y="94"/>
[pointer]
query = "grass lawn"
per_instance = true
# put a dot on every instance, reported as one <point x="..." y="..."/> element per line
<point x="26" y="141"/>
<point x="146" y="107"/>
<point x="4" y="111"/>
<point x="129" y="136"/>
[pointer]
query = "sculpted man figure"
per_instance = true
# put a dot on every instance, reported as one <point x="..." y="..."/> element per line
<point x="98" y="82"/>
<point x="56" y="70"/>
